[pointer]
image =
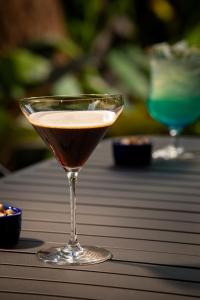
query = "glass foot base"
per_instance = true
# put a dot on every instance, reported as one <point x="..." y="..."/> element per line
<point x="62" y="256"/>
<point x="169" y="152"/>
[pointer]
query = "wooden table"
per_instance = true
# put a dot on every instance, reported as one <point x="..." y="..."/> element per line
<point x="149" y="219"/>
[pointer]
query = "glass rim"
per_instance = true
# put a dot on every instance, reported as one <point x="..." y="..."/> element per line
<point x="77" y="97"/>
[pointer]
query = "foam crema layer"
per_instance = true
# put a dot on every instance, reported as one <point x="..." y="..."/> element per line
<point x="72" y="119"/>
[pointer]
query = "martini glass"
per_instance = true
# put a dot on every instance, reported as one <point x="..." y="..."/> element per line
<point x="72" y="126"/>
<point x="174" y="98"/>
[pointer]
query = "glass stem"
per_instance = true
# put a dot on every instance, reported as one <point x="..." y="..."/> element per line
<point x="72" y="177"/>
<point x="174" y="133"/>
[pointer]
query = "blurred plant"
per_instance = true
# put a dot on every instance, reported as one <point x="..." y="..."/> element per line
<point x="130" y="65"/>
<point x="103" y="52"/>
<point x="193" y="36"/>
<point x="19" y="69"/>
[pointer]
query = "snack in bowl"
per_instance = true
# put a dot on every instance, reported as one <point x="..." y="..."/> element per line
<point x="10" y="225"/>
<point x="132" y="151"/>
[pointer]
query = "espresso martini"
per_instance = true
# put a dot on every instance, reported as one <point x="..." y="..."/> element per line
<point x="72" y="135"/>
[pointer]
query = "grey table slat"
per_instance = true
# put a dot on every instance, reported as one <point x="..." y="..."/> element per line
<point x="82" y="291"/>
<point x="101" y="280"/>
<point x="115" y="221"/>
<point x="130" y="183"/>
<point x="108" y="197"/>
<point x="148" y="218"/>
<point x="34" y="204"/>
<point x="117" y="232"/>
<point x="23" y="296"/>
<point x="112" y="266"/>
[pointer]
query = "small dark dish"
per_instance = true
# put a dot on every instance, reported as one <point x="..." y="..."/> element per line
<point x="132" y="151"/>
<point x="10" y="227"/>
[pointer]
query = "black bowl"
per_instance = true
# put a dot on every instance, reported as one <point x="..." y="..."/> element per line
<point x="10" y="227"/>
<point x="133" y="154"/>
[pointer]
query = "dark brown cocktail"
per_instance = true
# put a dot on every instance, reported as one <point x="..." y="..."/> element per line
<point x="72" y="135"/>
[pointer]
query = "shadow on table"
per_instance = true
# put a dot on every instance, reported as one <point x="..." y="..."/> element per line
<point x="28" y="243"/>
<point x="186" y="278"/>
<point x="183" y="277"/>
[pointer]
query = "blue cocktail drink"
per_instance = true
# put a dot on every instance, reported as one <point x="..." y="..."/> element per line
<point x="174" y="98"/>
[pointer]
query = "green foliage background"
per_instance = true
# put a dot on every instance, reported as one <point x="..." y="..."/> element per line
<point x="106" y="51"/>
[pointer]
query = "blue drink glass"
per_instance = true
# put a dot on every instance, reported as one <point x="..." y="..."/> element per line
<point x="174" y="98"/>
